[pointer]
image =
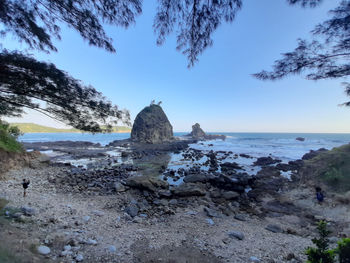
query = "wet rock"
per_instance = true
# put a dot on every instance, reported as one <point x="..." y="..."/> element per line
<point x="151" y="125"/>
<point x="44" y="250"/>
<point x="301" y="139"/>
<point x="196" y="178"/>
<point x="236" y="234"/>
<point x="229" y="166"/>
<point x="265" y="161"/>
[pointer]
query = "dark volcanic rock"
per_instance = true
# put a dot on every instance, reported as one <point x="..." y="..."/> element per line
<point x="263" y="161"/>
<point x="313" y="154"/>
<point x="196" y="178"/>
<point x="152" y="126"/>
<point x="229" y="166"/>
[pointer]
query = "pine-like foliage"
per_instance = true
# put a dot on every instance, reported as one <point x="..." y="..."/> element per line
<point x="325" y="57"/>
<point x="320" y="254"/>
<point x="28" y="83"/>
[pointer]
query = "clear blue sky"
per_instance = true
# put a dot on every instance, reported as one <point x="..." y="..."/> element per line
<point x="219" y="92"/>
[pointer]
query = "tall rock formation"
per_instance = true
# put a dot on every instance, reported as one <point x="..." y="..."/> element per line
<point x="197" y="132"/>
<point x="152" y="126"/>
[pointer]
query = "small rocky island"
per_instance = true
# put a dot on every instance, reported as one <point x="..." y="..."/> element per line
<point x="198" y="134"/>
<point x="152" y="126"/>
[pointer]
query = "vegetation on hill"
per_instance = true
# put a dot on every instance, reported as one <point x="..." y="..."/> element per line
<point x="8" y="138"/>
<point x="34" y="128"/>
<point x="331" y="168"/>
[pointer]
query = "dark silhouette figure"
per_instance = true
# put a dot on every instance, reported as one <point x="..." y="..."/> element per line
<point x="319" y="195"/>
<point x="25" y="184"/>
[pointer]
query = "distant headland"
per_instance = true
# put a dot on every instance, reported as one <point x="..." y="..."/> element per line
<point x="36" y="128"/>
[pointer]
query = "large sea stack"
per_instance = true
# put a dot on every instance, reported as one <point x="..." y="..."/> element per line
<point x="152" y="126"/>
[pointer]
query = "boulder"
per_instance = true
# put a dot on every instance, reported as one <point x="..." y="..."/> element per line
<point x="152" y="126"/>
<point x="146" y="183"/>
<point x="264" y="161"/>
<point x="301" y="139"/>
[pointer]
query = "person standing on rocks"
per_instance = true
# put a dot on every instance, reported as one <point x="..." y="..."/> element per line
<point x="25" y="184"/>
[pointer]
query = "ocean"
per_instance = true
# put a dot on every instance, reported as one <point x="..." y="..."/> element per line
<point x="279" y="145"/>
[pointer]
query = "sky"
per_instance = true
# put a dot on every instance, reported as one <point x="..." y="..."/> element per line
<point x="219" y="91"/>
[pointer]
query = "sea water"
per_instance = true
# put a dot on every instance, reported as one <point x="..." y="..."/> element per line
<point x="278" y="145"/>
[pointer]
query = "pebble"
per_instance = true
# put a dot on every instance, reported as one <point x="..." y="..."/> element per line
<point x="274" y="228"/>
<point x="79" y="258"/>
<point x="98" y="213"/>
<point x="68" y="247"/>
<point x="91" y="242"/>
<point x="65" y="253"/>
<point x="191" y="213"/>
<point x="254" y="259"/>
<point x="112" y="249"/>
<point x="44" y="250"/>
<point x="240" y="217"/>
<point x="210" y="221"/>
<point x="86" y="218"/>
<point x="211" y="212"/>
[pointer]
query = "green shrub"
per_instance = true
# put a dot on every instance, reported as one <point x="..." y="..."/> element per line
<point x="343" y="250"/>
<point x="8" y="138"/>
<point x="333" y="175"/>
<point x="321" y="254"/>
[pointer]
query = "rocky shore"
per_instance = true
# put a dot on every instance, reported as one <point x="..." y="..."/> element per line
<point x="133" y="206"/>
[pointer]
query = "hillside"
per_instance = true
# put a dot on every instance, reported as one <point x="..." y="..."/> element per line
<point x="35" y="128"/>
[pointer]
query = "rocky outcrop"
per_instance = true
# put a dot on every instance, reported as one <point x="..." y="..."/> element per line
<point x="152" y="126"/>
<point x="146" y="183"/>
<point x="198" y="134"/>
<point x="14" y="160"/>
